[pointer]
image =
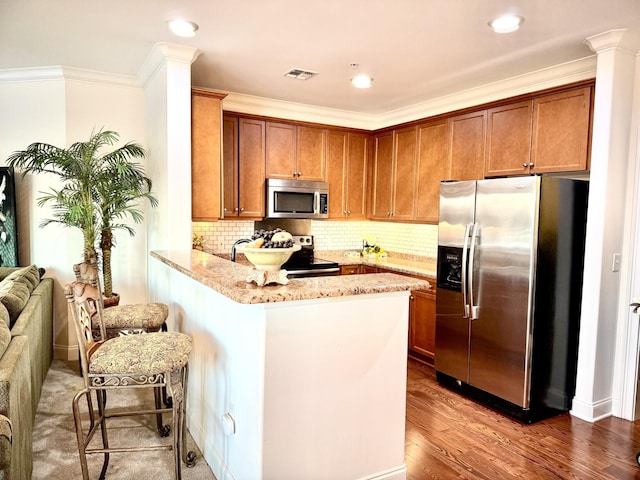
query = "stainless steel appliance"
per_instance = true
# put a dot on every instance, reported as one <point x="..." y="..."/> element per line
<point x="510" y="262"/>
<point x="297" y="199"/>
<point x="304" y="263"/>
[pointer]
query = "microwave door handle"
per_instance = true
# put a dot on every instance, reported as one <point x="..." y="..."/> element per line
<point x="465" y="257"/>
<point x="475" y="234"/>
<point x="316" y="202"/>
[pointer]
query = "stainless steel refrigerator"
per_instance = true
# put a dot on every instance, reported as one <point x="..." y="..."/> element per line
<point x="510" y="263"/>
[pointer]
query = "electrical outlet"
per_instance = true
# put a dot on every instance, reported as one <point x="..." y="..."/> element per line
<point x="615" y="265"/>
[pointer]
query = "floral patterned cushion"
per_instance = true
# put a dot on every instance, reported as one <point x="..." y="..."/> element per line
<point x="147" y="316"/>
<point x="148" y="354"/>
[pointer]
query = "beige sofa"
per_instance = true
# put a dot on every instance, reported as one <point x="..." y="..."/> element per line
<point x="26" y="351"/>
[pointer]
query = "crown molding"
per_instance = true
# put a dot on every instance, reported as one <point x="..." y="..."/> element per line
<point x="161" y="53"/>
<point x="56" y="73"/>
<point x="622" y="39"/>
<point x="241" y="103"/>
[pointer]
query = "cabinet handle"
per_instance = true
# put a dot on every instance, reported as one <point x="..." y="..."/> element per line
<point x="235" y="209"/>
<point x="242" y="209"/>
<point x="225" y="209"/>
<point x="531" y="164"/>
<point x="348" y="212"/>
<point x="525" y="165"/>
<point x="344" y="212"/>
<point x="412" y="298"/>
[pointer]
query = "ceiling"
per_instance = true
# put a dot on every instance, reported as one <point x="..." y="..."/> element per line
<point x="416" y="50"/>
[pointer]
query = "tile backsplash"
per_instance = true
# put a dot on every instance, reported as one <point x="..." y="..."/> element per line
<point x="407" y="238"/>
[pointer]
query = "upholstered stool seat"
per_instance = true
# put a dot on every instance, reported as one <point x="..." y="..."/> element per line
<point x="141" y="354"/>
<point x="149" y="317"/>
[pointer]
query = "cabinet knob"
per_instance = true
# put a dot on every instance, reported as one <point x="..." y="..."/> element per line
<point x="225" y="209"/>
<point x="531" y="164"/>
<point x="348" y="212"/>
<point x="525" y="164"/>
<point x="412" y="298"/>
<point x="235" y="209"/>
<point x="345" y="212"/>
<point x="242" y="209"/>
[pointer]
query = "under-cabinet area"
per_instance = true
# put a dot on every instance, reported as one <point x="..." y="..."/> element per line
<point x="391" y="174"/>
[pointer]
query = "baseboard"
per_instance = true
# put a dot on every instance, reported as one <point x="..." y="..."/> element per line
<point x="65" y="352"/>
<point x="591" y="411"/>
<point x="399" y="473"/>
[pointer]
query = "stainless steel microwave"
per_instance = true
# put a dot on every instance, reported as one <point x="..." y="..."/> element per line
<point x="297" y="199"/>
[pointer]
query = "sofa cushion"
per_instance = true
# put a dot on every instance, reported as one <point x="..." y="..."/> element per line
<point x="28" y="275"/>
<point x="14" y="296"/>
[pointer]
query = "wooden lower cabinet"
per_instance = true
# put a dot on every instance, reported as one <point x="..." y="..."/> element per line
<point x="422" y="325"/>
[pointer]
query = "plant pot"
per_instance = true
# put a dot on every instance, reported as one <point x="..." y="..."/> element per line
<point x="111" y="301"/>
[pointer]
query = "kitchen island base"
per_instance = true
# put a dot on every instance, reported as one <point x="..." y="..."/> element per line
<point x="306" y="389"/>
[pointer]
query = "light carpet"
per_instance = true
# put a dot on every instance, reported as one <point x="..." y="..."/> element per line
<point x="55" y="449"/>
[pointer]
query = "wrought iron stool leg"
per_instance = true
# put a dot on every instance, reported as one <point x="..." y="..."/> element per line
<point x="189" y="457"/>
<point x="163" y="430"/>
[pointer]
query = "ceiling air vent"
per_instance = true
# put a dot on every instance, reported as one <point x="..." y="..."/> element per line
<point x="300" y="74"/>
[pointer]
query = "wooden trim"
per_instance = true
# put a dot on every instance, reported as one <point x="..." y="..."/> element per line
<point x="208" y="93"/>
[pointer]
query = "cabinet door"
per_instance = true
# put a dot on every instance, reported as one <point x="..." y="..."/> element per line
<point x="251" y="169"/>
<point x="230" y="166"/>
<point x="382" y="176"/>
<point x="356" y="176"/>
<point x="431" y="168"/>
<point x="310" y="155"/>
<point x="404" y="176"/>
<point x="466" y="146"/>
<point x="206" y="135"/>
<point x="350" y="269"/>
<point x="561" y="131"/>
<point x="509" y="139"/>
<point x="422" y="325"/>
<point x="280" y="150"/>
<point x="336" y="173"/>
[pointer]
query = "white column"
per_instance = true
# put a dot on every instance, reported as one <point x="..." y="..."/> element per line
<point x="166" y="76"/>
<point x="616" y="52"/>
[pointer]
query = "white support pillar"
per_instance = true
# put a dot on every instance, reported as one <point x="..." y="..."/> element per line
<point x="166" y="76"/>
<point x="616" y="52"/>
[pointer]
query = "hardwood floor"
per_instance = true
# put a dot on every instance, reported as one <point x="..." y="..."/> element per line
<point x="450" y="436"/>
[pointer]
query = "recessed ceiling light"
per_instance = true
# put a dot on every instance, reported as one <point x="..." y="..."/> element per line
<point x="183" y="28"/>
<point x="506" y="23"/>
<point x="361" y="81"/>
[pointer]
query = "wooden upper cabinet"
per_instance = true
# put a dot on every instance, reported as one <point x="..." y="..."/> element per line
<point x="295" y="152"/>
<point x="230" y="166"/>
<point x="336" y="173"/>
<point x="466" y="146"/>
<point x="281" y="141"/>
<point x="347" y="174"/>
<point x="431" y="167"/>
<point x="251" y="168"/>
<point x="356" y="176"/>
<point x="561" y="131"/>
<point x="206" y="155"/>
<point x="310" y="154"/>
<point x="404" y="177"/>
<point x="509" y="139"/>
<point x="382" y="195"/>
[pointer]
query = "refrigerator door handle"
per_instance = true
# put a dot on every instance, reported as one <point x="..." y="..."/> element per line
<point x="474" y="309"/>
<point x="465" y="258"/>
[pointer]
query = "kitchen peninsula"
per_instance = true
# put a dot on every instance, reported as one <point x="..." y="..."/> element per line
<point x="296" y="381"/>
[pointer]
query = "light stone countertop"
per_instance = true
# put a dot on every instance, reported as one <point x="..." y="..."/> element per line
<point x="229" y="279"/>
<point x="410" y="264"/>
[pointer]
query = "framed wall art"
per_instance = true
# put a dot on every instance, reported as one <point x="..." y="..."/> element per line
<point x="8" y="222"/>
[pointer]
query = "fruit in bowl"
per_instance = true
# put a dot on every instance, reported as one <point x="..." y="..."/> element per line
<point x="269" y="249"/>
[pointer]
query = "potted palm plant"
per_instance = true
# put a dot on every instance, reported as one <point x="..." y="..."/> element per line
<point x="98" y="191"/>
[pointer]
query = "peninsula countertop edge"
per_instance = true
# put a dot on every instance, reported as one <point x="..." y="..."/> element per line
<point x="229" y="279"/>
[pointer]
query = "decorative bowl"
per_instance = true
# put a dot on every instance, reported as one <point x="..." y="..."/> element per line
<point x="267" y="259"/>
